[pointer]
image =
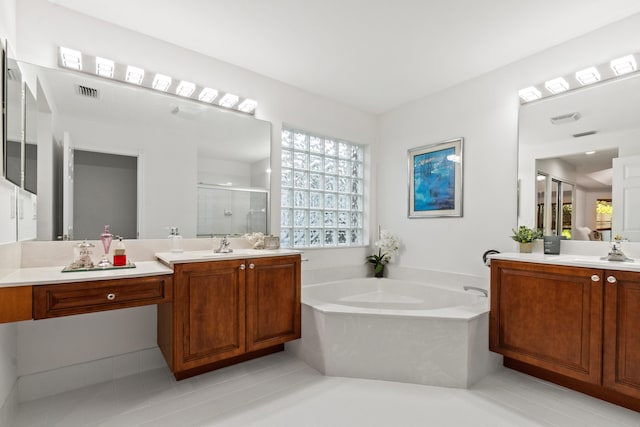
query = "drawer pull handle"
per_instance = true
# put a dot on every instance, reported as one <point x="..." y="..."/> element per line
<point x="242" y="267"/>
<point x="611" y="279"/>
<point x="595" y="278"/>
<point x="252" y="266"/>
<point x="111" y="297"/>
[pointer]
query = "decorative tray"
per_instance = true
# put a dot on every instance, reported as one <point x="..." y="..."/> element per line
<point x="69" y="269"/>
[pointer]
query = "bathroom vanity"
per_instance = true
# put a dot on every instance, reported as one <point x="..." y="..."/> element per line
<point x="228" y="308"/>
<point x="214" y="310"/>
<point x="570" y="320"/>
<point x="45" y="292"/>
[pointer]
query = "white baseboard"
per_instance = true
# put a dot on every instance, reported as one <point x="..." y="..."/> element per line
<point x="47" y="383"/>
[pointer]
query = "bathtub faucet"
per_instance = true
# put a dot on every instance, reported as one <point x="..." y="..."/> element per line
<point x="475" y="288"/>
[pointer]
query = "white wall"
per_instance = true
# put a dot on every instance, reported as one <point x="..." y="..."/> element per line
<point x="485" y="112"/>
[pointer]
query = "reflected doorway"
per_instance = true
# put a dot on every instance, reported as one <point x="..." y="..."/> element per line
<point x="105" y="191"/>
<point x="555" y="202"/>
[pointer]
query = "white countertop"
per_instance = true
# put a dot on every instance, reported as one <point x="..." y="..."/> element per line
<point x="170" y="258"/>
<point x="51" y="275"/>
<point x="570" y="260"/>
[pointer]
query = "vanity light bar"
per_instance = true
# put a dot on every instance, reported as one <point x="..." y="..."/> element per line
<point x="104" y="67"/>
<point x="588" y="76"/>
<point x="626" y="64"/>
<point x="557" y="85"/>
<point x="134" y="75"/>
<point x="599" y="73"/>
<point x="248" y="105"/>
<point x="78" y="61"/>
<point x="71" y="58"/>
<point x="161" y="82"/>
<point x="228" y="100"/>
<point x="185" y="89"/>
<point x="208" y="95"/>
<point x="529" y="94"/>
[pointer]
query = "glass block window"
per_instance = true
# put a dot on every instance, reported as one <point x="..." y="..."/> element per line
<point x="322" y="191"/>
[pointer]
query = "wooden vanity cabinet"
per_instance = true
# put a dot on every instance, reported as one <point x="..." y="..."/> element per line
<point x="273" y="301"/>
<point x="621" y="363"/>
<point x="548" y="316"/>
<point x="229" y="311"/>
<point x="575" y="326"/>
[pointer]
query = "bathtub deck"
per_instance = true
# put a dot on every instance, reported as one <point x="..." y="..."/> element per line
<point x="282" y="391"/>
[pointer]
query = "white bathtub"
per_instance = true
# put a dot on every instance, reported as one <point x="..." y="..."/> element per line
<point x="396" y="330"/>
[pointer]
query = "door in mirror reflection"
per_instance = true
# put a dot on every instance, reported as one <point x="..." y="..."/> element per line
<point x="555" y="202"/>
<point x="98" y="189"/>
<point x="105" y="192"/>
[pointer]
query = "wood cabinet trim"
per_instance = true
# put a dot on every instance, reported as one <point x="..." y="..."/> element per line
<point x="621" y="347"/>
<point x="66" y="299"/>
<point x="16" y="304"/>
<point x="268" y="326"/>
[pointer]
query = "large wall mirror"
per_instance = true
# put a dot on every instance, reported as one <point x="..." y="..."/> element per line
<point x="103" y="152"/>
<point x="579" y="162"/>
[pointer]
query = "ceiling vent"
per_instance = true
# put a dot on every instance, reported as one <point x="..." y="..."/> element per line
<point x="580" y="135"/>
<point x="565" y="118"/>
<point x="87" y="91"/>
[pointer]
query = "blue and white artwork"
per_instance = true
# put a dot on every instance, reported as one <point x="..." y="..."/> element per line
<point x="434" y="180"/>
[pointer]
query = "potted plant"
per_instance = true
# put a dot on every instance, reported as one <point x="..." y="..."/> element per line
<point x="525" y="237"/>
<point x="387" y="246"/>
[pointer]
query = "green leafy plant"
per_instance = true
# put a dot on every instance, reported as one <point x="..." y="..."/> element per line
<point x="525" y="234"/>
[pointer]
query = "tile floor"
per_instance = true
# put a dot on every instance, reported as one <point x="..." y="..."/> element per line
<point x="280" y="390"/>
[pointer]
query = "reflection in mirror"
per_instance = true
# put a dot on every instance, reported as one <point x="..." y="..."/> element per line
<point x="30" y="167"/>
<point x="573" y="161"/>
<point x="14" y="117"/>
<point x="232" y="211"/>
<point x="3" y="103"/>
<point x="176" y="143"/>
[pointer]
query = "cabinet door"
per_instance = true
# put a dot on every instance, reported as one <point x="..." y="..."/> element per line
<point x="548" y="316"/>
<point x="209" y="304"/>
<point x="273" y="301"/>
<point x="621" y="364"/>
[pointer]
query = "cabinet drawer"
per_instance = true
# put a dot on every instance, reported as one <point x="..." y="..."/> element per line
<point x="87" y="297"/>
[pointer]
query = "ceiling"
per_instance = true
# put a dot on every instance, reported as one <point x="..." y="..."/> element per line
<point x="371" y="55"/>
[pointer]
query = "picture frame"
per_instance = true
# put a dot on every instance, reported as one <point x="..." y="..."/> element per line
<point x="435" y="179"/>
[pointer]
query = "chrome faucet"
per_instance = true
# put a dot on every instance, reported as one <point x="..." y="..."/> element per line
<point x="475" y="288"/>
<point x="224" y="246"/>
<point x="616" y="254"/>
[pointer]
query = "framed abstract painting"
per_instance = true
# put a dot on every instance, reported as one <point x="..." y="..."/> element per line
<point x="435" y="180"/>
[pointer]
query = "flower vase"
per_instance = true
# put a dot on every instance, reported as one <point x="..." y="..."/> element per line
<point x="525" y="247"/>
<point x="378" y="271"/>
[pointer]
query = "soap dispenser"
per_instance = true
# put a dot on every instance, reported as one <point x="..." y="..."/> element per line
<point x="119" y="254"/>
<point x="176" y="240"/>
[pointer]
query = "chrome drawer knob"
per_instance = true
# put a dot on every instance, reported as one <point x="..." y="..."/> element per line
<point x="595" y="278"/>
<point x="111" y="297"/>
<point x="242" y="267"/>
<point x="611" y="279"/>
<point x="251" y="266"/>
